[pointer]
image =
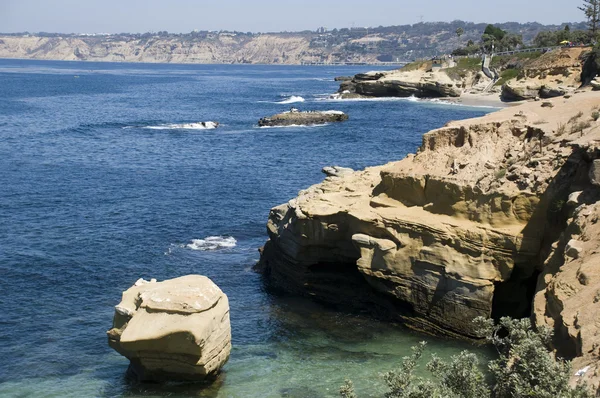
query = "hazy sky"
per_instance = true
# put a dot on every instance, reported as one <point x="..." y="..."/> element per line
<point x="114" y="16"/>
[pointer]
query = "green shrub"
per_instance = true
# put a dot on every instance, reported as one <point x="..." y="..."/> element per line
<point x="507" y="75"/>
<point x="526" y="367"/>
<point x="500" y="174"/>
<point x="595" y="115"/>
<point x="347" y="390"/>
<point x="416" y="66"/>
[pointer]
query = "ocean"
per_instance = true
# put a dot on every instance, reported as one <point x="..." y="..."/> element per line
<point x="108" y="176"/>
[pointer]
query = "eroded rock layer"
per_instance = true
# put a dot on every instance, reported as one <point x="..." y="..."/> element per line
<point x="456" y="231"/>
<point x="173" y="330"/>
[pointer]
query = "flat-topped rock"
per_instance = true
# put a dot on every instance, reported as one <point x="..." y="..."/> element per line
<point x="307" y="118"/>
<point x="173" y="330"/>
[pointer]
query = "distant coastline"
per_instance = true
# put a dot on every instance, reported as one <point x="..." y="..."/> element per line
<point x="392" y="45"/>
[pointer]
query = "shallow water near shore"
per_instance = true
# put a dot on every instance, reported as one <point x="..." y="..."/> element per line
<point x="93" y="196"/>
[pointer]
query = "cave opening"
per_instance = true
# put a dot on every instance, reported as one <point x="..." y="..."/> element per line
<point x="514" y="297"/>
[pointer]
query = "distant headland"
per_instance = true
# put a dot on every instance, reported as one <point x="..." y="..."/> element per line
<point x="372" y="45"/>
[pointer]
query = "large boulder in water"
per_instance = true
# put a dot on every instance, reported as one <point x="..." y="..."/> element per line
<point x="173" y="330"/>
<point x="295" y="117"/>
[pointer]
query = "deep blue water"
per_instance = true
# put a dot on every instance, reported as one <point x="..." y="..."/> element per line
<point x="91" y="199"/>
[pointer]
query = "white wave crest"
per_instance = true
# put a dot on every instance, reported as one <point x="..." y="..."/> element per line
<point x="338" y="98"/>
<point x="185" y="126"/>
<point x="306" y="126"/>
<point x="292" y="100"/>
<point x="212" y="243"/>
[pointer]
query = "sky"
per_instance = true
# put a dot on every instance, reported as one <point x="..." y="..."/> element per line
<point x="136" y="16"/>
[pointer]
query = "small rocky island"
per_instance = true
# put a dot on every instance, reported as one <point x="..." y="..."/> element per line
<point x="174" y="330"/>
<point x="294" y="117"/>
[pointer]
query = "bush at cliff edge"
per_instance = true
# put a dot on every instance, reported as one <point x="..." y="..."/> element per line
<point x="526" y="367"/>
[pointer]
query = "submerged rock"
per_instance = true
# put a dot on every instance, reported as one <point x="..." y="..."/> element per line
<point x="173" y="330"/>
<point x="295" y="117"/>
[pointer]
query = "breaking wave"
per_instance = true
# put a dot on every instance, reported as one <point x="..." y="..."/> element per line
<point x="293" y="125"/>
<point x="292" y="100"/>
<point x="181" y="126"/>
<point x="212" y="243"/>
<point x="337" y="98"/>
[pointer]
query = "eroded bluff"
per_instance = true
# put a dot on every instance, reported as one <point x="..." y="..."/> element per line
<point x="453" y="232"/>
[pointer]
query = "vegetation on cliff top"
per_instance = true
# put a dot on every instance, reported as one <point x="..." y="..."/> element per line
<point x="525" y="367"/>
<point x="386" y="43"/>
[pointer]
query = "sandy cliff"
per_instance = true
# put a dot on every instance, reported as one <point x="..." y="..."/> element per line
<point x="219" y="48"/>
<point x="549" y="75"/>
<point x="478" y="222"/>
<point x="401" y="83"/>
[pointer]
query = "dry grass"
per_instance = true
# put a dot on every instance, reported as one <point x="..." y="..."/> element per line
<point x="580" y="126"/>
<point x="576" y="117"/>
<point x="561" y="129"/>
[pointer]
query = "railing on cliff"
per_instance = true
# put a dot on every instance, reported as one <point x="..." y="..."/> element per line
<point x="530" y="50"/>
<point x="399" y="63"/>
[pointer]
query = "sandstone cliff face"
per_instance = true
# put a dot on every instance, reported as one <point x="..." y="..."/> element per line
<point x="260" y="49"/>
<point x="398" y="83"/>
<point x="460" y="229"/>
<point x="568" y="291"/>
<point x="173" y="330"/>
<point x="551" y="75"/>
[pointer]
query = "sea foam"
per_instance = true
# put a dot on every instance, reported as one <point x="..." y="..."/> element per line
<point x="212" y="243"/>
<point x="304" y="126"/>
<point x="292" y="100"/>
<point x="185" y="126"/>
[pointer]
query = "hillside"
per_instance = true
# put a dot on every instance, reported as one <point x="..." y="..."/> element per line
<point x="362" y="45"/>
<point x="517" y="77"/>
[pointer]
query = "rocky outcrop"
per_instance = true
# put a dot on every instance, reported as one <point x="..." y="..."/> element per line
<point x="519" y="91"/>
<point x="512" y="91"/>
<point x="297" y="118"/>
<point x="459" y="230"/>
<point x="550" y="75"/>
<point x="568" y="290"/>
<point x="337" y="171"/>
<point x="400" y="84"/>
<point x="173" y="330"/>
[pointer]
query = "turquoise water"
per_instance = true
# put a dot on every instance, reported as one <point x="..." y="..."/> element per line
<point x="105" y="181"/>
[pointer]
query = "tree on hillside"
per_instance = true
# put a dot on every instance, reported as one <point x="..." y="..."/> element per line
<point x="591" y="9"/>
<point x="497" y="33"/>
<point x="459" y="32"/>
